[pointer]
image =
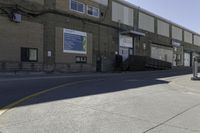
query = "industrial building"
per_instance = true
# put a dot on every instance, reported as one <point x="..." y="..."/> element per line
<point x="86" y="35"/>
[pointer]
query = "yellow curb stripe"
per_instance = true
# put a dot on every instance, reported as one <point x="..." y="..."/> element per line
<point x="14" y="104"/>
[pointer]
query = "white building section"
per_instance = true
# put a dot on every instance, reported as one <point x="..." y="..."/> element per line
<point x="126" y="46"/>
<point x="126" y="41"/>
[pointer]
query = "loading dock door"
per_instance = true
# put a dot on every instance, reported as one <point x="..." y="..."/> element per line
<point x="187" y="59"/>
<point x="161" y="53"/>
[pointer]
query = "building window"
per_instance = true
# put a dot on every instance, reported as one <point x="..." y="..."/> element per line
<point x="29" y="54"/>
<point x="93" y="11"/>
<point x="77" y="6"/>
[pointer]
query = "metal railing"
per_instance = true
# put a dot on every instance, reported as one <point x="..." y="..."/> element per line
<point x="14" y="66"/>
<point x="196" y="62"/>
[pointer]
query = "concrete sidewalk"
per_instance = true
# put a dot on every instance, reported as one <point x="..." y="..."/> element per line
<point x="118" y="104"/>
<point x="184" y="83"/>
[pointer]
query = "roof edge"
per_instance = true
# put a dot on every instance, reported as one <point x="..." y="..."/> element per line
<point x="131" y="5"/>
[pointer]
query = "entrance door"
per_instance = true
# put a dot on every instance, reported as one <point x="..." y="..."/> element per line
<point x="178" y="56"/>
<point x="125" y="46"/>
<point x="187" y="59"/>
<point x="124" y="52"/>
<point x="174" y="60"/>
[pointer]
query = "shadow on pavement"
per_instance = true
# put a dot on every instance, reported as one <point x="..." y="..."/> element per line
<point x="12" y="91"/>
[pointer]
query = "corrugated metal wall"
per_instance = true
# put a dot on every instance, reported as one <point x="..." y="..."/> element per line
<point x="122" y="13"/>
<point x="197" y="40"/>
<point x="146" y="22"/>
<point x="187" y="37"/>
<point x="163" y="28"/>
<point x="177" y="33"/>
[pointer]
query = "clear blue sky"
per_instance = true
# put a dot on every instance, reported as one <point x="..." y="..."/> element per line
<point x="182" y="12"/>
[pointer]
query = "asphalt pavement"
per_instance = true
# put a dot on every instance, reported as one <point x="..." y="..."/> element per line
<point x="137" y="102"/>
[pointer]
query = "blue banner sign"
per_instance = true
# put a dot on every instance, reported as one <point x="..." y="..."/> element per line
<point x="75" y="41"/>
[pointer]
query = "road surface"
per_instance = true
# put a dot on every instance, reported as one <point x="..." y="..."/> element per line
<point x="141" y="102"/>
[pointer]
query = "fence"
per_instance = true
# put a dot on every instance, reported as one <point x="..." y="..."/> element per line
<point x="12" y="66"/>
<point x="146" y="63"/>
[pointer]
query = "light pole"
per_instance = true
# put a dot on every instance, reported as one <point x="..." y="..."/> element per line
<point x="119" y="34"/>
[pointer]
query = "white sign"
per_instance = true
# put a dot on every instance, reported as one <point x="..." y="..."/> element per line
<point x="49" y="53"/>
<point x="33" y="54"/>
<point x="177" y="44"/>
<point x="74" y="41"/>
<point x="126" y="41"/>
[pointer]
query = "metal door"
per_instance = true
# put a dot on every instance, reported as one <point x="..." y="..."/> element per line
<point x="124" y="52"/>
<point x="187" y="59"/>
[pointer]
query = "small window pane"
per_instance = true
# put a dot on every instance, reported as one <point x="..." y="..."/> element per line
<point x="73" y="5"/>
<point x="29" y="54"/>
<point x="77" y="6"/>
<point x="80" y="7"/>
<point x="32" y="54"/>
<point x="96" y="12"/>
<point x="93" y="11"/>
<point x="90" y="10"/>
<point x="24" y="54"/>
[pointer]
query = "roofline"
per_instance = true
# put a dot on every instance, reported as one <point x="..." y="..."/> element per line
<point x="155" y="15"/>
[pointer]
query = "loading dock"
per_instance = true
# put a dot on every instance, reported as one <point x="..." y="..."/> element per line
<point x="161" y="53"/>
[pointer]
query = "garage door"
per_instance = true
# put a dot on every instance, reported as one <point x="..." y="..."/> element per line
<point x="161" y="53"/>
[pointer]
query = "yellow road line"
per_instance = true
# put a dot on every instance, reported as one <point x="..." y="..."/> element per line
<point x="14" y="104"/>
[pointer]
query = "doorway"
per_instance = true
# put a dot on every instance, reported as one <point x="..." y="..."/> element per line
<point x="125" y="52"/>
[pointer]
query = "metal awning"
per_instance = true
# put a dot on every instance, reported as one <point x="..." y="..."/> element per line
<point x="133" y="33"/>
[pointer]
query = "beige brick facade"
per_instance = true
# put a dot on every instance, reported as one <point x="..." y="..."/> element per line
<point x="42" y="27"/>
<point x="13" y="36"/>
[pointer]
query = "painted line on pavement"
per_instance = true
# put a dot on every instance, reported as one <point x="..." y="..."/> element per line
<point x="14" y="104"/>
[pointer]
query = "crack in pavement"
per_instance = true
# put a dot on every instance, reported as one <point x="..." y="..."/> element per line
<point x="193" y="130"/>
<point x="164" y="122"/>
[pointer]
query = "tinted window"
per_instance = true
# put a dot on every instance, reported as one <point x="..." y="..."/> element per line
<point x="93" y="11"/>
<point x="77" y="6"/>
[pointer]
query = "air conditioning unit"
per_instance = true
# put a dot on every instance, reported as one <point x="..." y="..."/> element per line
<point x="17" y="17"/>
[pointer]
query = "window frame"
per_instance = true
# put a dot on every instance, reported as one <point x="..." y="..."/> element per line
<point x="27" y="59"/>
<point x="93" y="7"/>
<point x="70" y="6"/>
